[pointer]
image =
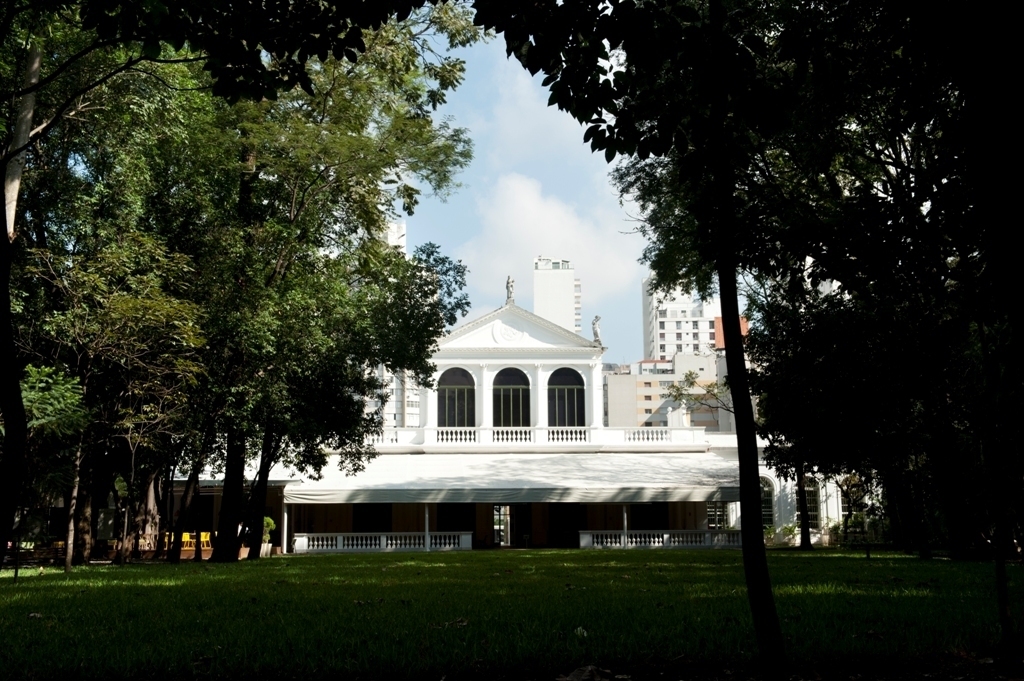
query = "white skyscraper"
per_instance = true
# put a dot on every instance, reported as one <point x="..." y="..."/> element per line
<point x="677" y="322"/>
<point x="556" y="293"/>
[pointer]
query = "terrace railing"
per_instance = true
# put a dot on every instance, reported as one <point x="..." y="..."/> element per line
<point x="660" y="539"/>
<point x="485" y="436"/>
<point x="378" y="542"/>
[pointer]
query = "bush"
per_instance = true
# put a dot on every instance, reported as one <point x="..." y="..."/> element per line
<point x="268" y="526"/>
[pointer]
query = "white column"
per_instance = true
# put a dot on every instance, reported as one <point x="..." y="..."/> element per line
<point x="541" y="375"/>
<point x="428" y="406"/>
<point x="426" y="526"/>
<point x="484" y="397"/>
<point x="536" y="388"/>
<point x="284" y="527"/>
<point x="595" y="393"/>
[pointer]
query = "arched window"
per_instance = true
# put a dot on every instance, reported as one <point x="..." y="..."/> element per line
<point x="511" y="399"/>
<point x="456" y="399"/>
<point x="813" y="503"/>
<point x="567" y="405"/>
<point x="767" y="503"/>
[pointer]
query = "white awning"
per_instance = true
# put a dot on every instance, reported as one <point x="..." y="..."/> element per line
<point x="526" y="478"/>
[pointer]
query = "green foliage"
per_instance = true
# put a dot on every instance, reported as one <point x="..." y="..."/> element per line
<point x="268" y="526"/>
<point x="53" y="403"/>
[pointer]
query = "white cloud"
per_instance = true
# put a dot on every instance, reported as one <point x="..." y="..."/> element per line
<point x="519" y="222"/>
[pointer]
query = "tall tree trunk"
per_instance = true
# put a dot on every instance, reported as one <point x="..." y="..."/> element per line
<point x="12" y="407"/>
<point x="258" y="497"/>
<point x="13" y="462"/>
<point x="232" y="506"/>
<point x="184" y="510"/>
<point x="755" y="560"/>
<point x="84" y="534"/>
<point x="22" y="129"/>
<point x="69" y="544"/>
<point x="801" y="505"/>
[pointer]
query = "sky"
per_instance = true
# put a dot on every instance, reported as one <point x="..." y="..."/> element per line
<point x="532" y="189"/>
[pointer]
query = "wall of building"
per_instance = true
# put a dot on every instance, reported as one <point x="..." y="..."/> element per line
<point x="557" y="293"/>
<point x="677" y="323"/>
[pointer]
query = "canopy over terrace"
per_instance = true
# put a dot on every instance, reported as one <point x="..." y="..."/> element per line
<point x="526" y="478"/>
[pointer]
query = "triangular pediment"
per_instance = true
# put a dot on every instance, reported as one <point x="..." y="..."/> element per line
<point x="511" y="327"/>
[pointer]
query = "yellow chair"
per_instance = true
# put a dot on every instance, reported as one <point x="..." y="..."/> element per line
<point x="187" y="541"/>
<point x="204" y="540"/>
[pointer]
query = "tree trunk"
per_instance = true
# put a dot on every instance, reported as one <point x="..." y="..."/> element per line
<point x="755" y="560"/>
<point x="258" y="497"/>
<point x="15" y="446"/>
<point x="84" y="534"/>
<point x="22" y="128"/>
<point x="12" y="407"/>
<point x="184" y="510"/>
<point x="69" y="544"/>
<point x="225" y="548"/>
<point x="802" y="512"/>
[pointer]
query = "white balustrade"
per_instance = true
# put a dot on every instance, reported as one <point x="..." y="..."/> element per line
<point x="569" y="435"/>
<point x="363" y="542"/>
<point x="555" y="436"/>
<point x="456" y="435"/>
<point x="648" y="435"/>
<point x="512" y="435"/>
<point x="668" y="539"/>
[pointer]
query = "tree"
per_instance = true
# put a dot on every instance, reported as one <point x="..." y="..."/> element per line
<point x="254" y="51"/>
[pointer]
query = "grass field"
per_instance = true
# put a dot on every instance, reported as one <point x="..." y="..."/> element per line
<point x="497" y="613"/>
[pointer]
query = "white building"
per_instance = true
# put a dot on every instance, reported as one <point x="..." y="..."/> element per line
<point x="557" y="293"/>
<point x="676" y="323"/>
<point x="512" y="451"/>
<point x="636" y="395"/>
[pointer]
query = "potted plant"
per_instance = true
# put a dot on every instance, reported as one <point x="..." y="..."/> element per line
<point x="268" y="525"/>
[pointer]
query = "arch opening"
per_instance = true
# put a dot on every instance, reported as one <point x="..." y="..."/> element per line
<point x="456" y="399"/>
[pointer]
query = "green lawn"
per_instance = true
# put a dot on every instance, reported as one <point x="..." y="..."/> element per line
<point x="427" y="615"/>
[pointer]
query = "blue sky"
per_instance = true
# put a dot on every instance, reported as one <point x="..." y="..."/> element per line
<point x="534" y="189"/>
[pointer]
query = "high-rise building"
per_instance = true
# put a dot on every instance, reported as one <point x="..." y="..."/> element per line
<point x="678" y="323"/>
<point x="402" y="408"/>
<point x="556" y="293"/>
<point x="635" y="395"/>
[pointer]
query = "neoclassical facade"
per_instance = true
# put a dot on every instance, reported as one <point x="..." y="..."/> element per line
<point x="511" y="451"/>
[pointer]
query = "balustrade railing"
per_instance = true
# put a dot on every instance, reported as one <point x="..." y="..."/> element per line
<point x="648" y="435"/>
<point x="668" y="539"/>
<point x="456" y="435"/>
<point x="355" y="542"/>
<point x="569" y="435"/>
<point x="513" y="435"/>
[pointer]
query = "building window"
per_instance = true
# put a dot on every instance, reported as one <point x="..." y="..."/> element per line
<point x="813" y="503"/>
<point x="696" y="348"/>
<point x="647" y="384"/>
<point x="511" y="399"/>
<point x="679" y="347"/>
<point x="661" y="336"/>
<point x="647" y="398"/>
<point x="566" y="399"/>
<point x="664" y="384"/>
<point x="679" y="325"/>
<point x="456" y="399"/>
<point x="661" y="348"/>
<point x="696" y="336"/>
<point x="661" y="325"/>
<point x="647" y="411"/>
<point x="711" y="324"/>
<point x="718" y="515"/>
<point x="767" y="503"/>
<point x="711" y="336"/>
<point x="679" y="336"/>
<point x="663" y="356"/>
<point x="662" y="314"/>
<point x="695" y="325"/>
